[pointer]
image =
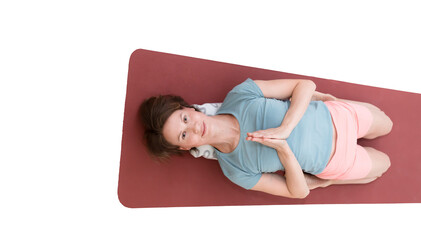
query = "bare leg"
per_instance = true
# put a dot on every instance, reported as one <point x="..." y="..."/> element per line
<point x="380" y="164"/>
<point x="356" y="181"/>
<point x="315" y="182"/>
<point x="381" y="125"/>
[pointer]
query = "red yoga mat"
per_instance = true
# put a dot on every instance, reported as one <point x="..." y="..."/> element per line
<point x="189" y="181"/>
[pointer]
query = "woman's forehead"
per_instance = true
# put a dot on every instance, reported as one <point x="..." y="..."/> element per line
<point x="172" y="126"/>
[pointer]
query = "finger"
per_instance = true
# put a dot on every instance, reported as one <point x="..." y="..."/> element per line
<point x="265" y="140"/>
<point x="260" y="139"/>
<point x="255" y="134"/>
<point x="261" y="133"/>
<point x="256" y="139"/>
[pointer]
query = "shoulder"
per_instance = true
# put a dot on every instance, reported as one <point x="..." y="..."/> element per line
<point x="246" y="180"/>
<point x="239" y="96"/>
<point x="236" y="174"/>
<point x="248" y="87"/>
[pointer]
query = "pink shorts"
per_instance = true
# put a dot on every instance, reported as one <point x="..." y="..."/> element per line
<point x="350" y="160"/>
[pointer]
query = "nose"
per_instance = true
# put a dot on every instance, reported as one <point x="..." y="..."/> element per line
<point x="196" y="127"/>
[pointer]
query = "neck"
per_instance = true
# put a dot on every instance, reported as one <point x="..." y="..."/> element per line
<point x="226" y="133"/>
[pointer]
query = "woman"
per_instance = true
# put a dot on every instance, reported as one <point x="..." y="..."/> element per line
<point x="266" y="126"/>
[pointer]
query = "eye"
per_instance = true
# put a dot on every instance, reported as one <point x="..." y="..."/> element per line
<point x="185" y="119"/>
<point x="183" y="135"/>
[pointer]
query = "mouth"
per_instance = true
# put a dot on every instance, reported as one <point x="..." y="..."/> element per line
<point x="204" y="129"/>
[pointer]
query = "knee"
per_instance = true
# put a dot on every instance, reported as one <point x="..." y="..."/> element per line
<point x="386" y="163"/>
<point x="373" y="107"/>
<point x="385" y="124"/>
<point x="380" y="162"/>
<point x="388" y="123"/>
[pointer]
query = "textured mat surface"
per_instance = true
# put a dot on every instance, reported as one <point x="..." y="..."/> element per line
<point x="186" y="181"/>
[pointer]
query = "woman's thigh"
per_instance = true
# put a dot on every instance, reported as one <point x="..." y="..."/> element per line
<point x="381" y="124"/>
<point x="380" y="162"/>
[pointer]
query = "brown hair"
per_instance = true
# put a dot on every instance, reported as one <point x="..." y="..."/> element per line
<point x="154" y="112"/>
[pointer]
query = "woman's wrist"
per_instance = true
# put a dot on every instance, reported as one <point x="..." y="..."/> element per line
<point x="283" y="149"/>
<point x="294" y="175"/>
<point x="285" y="130"/>
<point x="300" y="99"/>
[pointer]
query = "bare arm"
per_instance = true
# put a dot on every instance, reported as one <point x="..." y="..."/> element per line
<point x="318" y="96"/>
<point x="275" y="184"/>
<point x="293" y="184"/>
<point x="300" y="92"/>
<point x="300" y="100"/>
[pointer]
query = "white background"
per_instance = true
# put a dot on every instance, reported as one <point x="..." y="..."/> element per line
<point x="63" y="73"/>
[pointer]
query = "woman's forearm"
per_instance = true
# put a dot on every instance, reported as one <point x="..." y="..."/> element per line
<point x="317" y="96"/>
<point x="300" y="99"/>
<point x="294" y="176"/>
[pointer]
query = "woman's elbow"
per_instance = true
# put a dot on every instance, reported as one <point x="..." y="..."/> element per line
<point x="312" y="84"/>
<point x="302" y="195"/>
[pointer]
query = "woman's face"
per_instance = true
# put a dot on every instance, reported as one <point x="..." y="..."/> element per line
<point x="186" y="128"/>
